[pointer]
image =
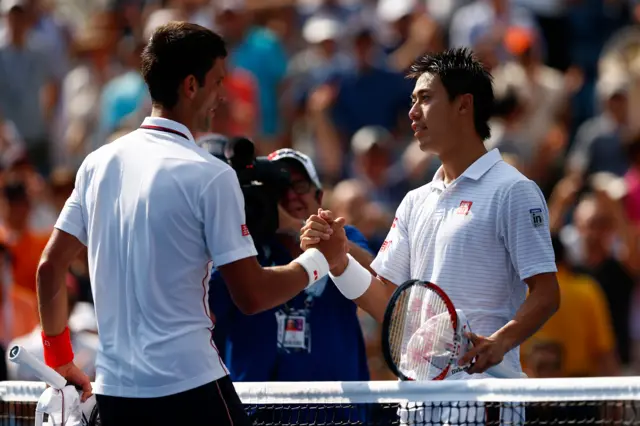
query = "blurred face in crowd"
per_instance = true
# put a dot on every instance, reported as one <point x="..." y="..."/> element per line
<point x="17" y="22"/>
<point x="544" y="362"/>
<point x="301" y="199"/>
<point x="433" y="115"/>
<point x="364" y="45"/>
<point x="205" y="99"/>
<point x="231" y="24"/>
<point x="594" y="224"/>
<point x="374" y="163"/>
<point x="617" y="106"/>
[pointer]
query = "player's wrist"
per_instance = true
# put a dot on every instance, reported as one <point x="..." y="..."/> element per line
<point x="314" y="263"/>
<point x="354" y="280"/>
<point x="57" y="349"/>
<point x="339" y="269"/>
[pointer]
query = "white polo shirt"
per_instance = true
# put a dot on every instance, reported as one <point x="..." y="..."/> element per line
<point x="477" y="238"/>
<point x="154" y="210"/>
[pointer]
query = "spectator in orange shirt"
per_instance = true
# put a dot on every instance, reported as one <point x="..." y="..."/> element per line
<point x="18" y="306"/>
<point x="25" y="245"/>
<point x="581" y="327"/>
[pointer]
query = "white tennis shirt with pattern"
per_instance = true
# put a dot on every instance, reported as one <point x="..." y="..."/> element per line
<point x="478" y="238"/>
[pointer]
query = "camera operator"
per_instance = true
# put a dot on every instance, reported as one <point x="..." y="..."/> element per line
<point x="154" y="210"/>
<point x="315" y="336"/>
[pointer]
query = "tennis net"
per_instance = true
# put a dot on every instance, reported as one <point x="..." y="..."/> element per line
<point x="590" y="401"/>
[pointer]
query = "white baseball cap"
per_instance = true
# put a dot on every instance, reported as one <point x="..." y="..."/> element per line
<point x="392" y="10"/>
<point x="304" y="160"/>
<point x="321" y="28"/>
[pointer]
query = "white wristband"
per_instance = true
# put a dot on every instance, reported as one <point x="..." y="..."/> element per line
<point x="314" y="262"/>
<point x="354" y="281"/>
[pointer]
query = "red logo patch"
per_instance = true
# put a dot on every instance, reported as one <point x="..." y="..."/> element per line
<point x="315" y="275"/>
<point x="395" y="219"/>
<point x="464" y="208"/>
<point x="385" y="245"/>
<point x="245" y="230"/>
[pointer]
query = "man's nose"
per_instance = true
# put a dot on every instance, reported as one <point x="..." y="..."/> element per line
<point x="414" y="112"/>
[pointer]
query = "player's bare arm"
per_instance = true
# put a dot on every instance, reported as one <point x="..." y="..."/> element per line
<point x="543" y="301"/>
<point x="56" y="258"/>
<point x="255" y="289"/>
<point x="375" y="298"/>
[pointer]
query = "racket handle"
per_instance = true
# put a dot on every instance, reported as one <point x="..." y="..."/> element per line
<point x="501" y="371"/>
<point x="19" y="355"/>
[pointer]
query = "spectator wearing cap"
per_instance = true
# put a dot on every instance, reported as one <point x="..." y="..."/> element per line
<point x="316" y="336"/>
<point x="27" y="83"/>
<point x="598" y="146"/>
<point x="373" y="164"/>
<point x="323" y="59"/>
<point x="368" y="95"/>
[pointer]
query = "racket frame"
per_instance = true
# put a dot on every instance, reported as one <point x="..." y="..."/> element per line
<point x="387" y="320"/>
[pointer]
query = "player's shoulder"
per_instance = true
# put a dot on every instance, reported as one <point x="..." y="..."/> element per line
<point x="507" y="181"/>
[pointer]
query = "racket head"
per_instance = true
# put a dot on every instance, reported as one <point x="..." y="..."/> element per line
<point x="420" y="332"/>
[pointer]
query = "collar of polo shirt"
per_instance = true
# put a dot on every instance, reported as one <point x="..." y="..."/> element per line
<point x="169" y="124"/>
<point x="475" y="171"/>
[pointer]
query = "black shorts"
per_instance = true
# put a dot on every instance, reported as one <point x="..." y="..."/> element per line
<point x="215" y="403"/>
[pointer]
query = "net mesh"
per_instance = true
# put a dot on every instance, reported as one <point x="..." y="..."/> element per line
<point x="593" y="401"/>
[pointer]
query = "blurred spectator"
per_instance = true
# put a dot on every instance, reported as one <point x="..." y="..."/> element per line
<point x="24" y="245"/>
<point x="27" y="83"/>
<point x="18" y="306"/>
<point x="259" y="51"/>
<point x="581" y="327"/>
<point x="543" y="359"/>
<point x="599" y="142"/>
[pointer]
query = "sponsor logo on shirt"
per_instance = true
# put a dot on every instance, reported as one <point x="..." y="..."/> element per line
<point x="464" y="208"/>
<point x="537" y="219"/>
<point x="385" y="245"/>
<point x="245" y="230"/>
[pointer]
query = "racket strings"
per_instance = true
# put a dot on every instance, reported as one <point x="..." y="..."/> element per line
<point x="423" y="323"/>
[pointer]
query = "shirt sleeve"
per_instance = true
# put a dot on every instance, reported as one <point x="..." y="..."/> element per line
<point x="524" y="228"/>
<point x="392" y="261"/>
<point x="225" y="230"/>
<point x="72" y="217"/>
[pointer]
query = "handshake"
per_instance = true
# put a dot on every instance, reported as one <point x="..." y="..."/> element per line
<point x="326" y="233"/>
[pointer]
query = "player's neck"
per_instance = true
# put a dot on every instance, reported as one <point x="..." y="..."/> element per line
<point x="174" y="114"/>
<point x="456" y="162"/>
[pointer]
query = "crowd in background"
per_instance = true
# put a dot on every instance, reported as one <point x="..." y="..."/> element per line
<point x="326" y="77"/>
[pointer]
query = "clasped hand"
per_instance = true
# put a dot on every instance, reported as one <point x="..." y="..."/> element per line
<point x="326" y="233"/>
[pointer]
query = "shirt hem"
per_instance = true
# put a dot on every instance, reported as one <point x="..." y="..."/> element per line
<point x="542" y="268"/>
<point x="157" y="391"/>
<point x="71" y="228"/>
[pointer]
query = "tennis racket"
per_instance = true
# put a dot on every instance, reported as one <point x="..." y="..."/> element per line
<point x="423" y="335"/>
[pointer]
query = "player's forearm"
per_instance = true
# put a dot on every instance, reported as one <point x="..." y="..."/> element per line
<point x="541" y="304"/>
<point x="273" y="287"/>
<point x="375" y="300"/>
<point x="52" y="298"/>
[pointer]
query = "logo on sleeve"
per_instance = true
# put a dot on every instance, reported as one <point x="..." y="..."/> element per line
<point x="537" y="219"/>
<point x="385" y="245"/>
<point x="245" y="230"/>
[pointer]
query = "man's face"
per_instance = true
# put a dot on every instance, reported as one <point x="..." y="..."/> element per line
<point x="209" y="96"/>
<point x="300" y="200"/>
<point x="432" y="114"/>
<point x="595" y="225"/>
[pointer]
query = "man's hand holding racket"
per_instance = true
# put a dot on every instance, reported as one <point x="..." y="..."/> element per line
<point x="486" y="353"/>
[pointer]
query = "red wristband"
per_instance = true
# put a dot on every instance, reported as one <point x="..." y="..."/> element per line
<point x="57" y="349"/>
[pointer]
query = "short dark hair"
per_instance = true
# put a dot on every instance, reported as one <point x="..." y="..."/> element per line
<point x="461" y="73"/>
<point x="175" y="51"/>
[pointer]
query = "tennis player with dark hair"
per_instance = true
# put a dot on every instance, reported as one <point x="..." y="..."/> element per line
<point x="155" y="212"/>
<point x="479" y="229"/>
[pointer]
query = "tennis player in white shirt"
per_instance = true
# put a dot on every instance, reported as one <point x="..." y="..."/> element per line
<point x="155" y="211"/>
<point x="479" y="229"/>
